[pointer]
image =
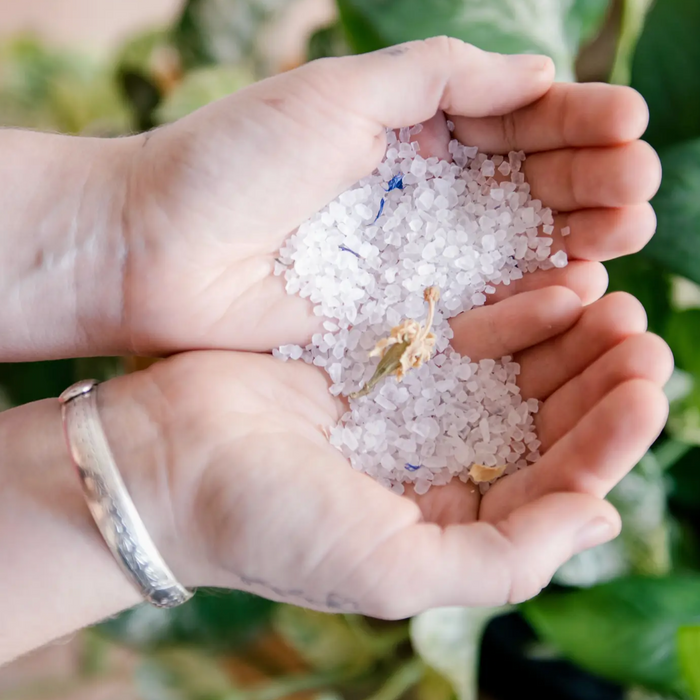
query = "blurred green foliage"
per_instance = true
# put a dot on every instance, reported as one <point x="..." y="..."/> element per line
<point x="507" y="26"/>
<point x="625" y="630"/>
<point x="214" y="620"/>
<point x="629" y="611"/>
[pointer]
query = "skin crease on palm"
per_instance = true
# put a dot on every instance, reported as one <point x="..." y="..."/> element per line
<point x="307" y="528"/>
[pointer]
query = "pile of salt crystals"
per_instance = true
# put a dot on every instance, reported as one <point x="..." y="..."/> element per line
<point x="365" y="261"/>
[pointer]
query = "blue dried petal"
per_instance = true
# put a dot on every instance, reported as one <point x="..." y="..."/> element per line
<point x="347" y="250"/>
<point x="412" y="467"/>
<point x="396" y="183"/>
<point x="381" y="209"/>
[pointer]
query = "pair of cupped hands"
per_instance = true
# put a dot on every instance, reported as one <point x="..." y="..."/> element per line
<point x="249" y="492"/>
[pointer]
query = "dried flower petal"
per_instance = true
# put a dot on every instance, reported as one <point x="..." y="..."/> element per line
<point x="479" y="473"/>
<point x="389" y="364"/>
<point x="408" y="346"/>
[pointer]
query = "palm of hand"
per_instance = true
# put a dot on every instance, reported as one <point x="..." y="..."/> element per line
<point x="277" y="510"/>
<point x="213" y="196"/>
<point x="282" y="514"/>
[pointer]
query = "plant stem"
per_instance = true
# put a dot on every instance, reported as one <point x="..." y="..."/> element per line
<point x="633" y="14"/>
<point x="401" y="681"/>
<point x="670" y="452"/>
<point x="284" y="687"/>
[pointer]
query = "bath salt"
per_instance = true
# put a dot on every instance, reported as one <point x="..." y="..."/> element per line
<point x="420" y="241"/>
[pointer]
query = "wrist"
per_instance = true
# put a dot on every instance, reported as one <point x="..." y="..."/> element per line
<point x="100" y="269"/>
<point x="59" y="575"/>
<point x="136" y="421"/>
<point x="63" y="252"/>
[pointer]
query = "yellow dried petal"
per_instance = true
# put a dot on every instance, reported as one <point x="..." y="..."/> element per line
<point x="479" y="473"/>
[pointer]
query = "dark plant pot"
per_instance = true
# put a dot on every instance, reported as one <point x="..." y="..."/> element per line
<point x="506" y="672"/>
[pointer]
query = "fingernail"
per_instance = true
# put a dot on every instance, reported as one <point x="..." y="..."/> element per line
<point x="596" y="532"/>
<point x="535" y="63"/>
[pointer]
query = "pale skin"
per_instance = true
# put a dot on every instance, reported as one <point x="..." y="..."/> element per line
<point x="164" y="243"/>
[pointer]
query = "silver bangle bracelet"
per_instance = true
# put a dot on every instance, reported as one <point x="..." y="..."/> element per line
<point x="109" y="501"/>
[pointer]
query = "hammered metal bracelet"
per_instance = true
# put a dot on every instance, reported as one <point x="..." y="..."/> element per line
<point x="109" y="501"/>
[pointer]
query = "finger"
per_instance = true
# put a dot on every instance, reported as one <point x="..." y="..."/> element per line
<point x="604" y="234"/>
<point x="550" y="365"/>
<point x="267" y="317"/>
<point x="569" y="115"/>
<point x="515" y="323"/>
<point x="483" y="564"/>
<point x="643" y="356"/>
<point x="588" y="280"/>
<point x="434" y="138"/>
<point x="571" y="179"/>
<point x="407" y="84"/>
<point x="594" y="456"/>
<point x="360" y="96"/>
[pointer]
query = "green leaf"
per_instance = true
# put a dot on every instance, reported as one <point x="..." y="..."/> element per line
<point x="585" y="19"/>
<point x="32" y="381"/>
<point x="326" y="642"/>
<point x="684" y="477"/>
<point x="665" y="71"/>
<point x="689" y="653"/>
<point x="449" y="640"/>
<point x="138" y="52"/>
<point x="326" y="42"/>
<point x="634" y="13"/>
<point x="143" y="96"/>
<point x="683" y="336"/>
<point x="646" y="281"/>
<point x="552" y="27"/>
<point x="214" y="620"/>
<point x="676" y="244"/>
<point x="624" y="630"/>
<point x="641" y="499"/>
<point x="644" y="547"/>
<point x="200" y="87"/>
<point x="58" y="90"/>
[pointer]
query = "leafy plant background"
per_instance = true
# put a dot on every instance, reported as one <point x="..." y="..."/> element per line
<point x="621" y="621"/>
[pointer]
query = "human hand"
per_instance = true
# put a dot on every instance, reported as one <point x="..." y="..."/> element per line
<point x="211" y="197"/>
<point x="246" y="491"/>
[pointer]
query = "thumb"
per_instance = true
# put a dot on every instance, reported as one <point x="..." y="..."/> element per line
<point x="321" y="128"/>
<point x="486" y="564"/>
<point x="409" y="83"/>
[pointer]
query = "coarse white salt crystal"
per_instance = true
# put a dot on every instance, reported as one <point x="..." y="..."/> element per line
<point x="504" y="168"/>
<point x="418" y="167"/>
<point x="488" y="168"/>
<point x="426" y="199"/>
<point x="442" y="223"/>
<point x="364" y="212"/>
<point x="488" y="243"/>
<point x="559" y="259"/>
<point x="349" y="439"/>
<point x="566" y="230"/>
